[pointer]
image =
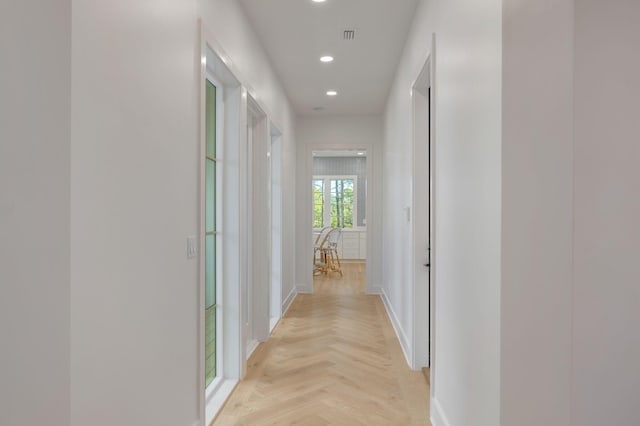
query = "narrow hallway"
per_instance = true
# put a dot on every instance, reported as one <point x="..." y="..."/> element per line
<point x="333" y="359"/>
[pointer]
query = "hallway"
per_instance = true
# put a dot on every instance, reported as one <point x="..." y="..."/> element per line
<point x="333" y="359"/>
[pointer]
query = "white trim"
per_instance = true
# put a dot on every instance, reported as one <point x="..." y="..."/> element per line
<point x="438" y="417"/>
<point x="397" y="327"/>
<point x="217" y="48"/>
<point x="251" y="347"/>
<point x="432" y="225"/>
<point x="374" y="240"/>
<point x="214" y="67"/>
<point x="289" y="300"/>
<point x="273" y="322"/>
<point x="421" y="202"/>
<point x="217" y="400"/>
<point x="276" y="233"/>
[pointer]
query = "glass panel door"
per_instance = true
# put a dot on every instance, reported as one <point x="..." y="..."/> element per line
<point x="211" y="235"/>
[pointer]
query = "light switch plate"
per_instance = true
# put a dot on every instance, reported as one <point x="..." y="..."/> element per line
<point x="192" y="247"/>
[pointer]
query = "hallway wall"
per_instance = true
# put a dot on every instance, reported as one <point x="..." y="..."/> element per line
<point x="606" y="289"/>
<point x="134" y="197"/>
<point x="337" y="132"/>
<point x="537" y="209"/>
<point x="570" y="301"/>
<point x="468" y="200"/>
<point x="227" y="21"/>
<point x="35" y="134"/>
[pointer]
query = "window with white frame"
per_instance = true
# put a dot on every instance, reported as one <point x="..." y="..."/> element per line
<point x="213" y="243"/>
<point x="334" y="201"/>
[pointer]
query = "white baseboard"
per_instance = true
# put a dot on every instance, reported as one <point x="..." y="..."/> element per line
<point x="438" y="417"/>
<point x="251" y="347"/>
<point x="397" y="327"/>
<point x="217" y="400"/>
<point x="289" y="300"/>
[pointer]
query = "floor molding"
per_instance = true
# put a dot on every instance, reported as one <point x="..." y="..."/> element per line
<point x="289" y="300"/>
<point x="219" y="398"/>
<point x="397" y="327"/>
<point x="438" y="417"/>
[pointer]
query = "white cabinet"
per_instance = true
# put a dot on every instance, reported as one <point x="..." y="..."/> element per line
<point x="350" y="245"/>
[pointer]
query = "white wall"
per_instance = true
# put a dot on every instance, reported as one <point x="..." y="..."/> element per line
<point x="227" y="22"/>
<point x="338" y="132"/>
<point x="134" y="200"/>
<point x="467" y="204"/>
<point x="135" y="148"/>
<point x="606" y="290"/>
<point x="35" y="108"/>
<point x="570" y="301"/>
<point x="537" y="163"/>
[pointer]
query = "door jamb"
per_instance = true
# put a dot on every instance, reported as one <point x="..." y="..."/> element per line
<point x="424" y="81"/>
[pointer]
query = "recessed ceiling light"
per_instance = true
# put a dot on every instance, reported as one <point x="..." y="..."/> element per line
<point x="326" y="58"/>
<point x="318" y="1"/>
<point x="332" y="93"/>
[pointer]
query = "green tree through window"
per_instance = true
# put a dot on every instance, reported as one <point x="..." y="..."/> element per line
<point x="318" y="203"/>
<point x="342" y="203"/>
<point x="334" y="201"/>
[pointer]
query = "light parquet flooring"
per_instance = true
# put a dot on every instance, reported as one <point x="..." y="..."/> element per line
<point x="332" y="360"/>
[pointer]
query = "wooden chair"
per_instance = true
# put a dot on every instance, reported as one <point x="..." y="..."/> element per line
<point x="319" y="258"/>
<point x="330" y="252"/>
<point x="319" y="240"/>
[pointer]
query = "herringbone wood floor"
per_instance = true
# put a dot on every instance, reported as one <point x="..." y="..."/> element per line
<point x="333" y="360"/>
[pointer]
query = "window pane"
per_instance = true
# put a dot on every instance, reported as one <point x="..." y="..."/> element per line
<point x="210" y="239"/>
<point x="210" y="114"/>
<point x="342" y="202"/>
<point x="210" y="194"/>
<point x="210" y="345"/>
<point x="210" y="271"/>
<point x="318" y="203"/>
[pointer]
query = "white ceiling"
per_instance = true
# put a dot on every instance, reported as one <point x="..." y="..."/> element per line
<point x="295" y="33"/>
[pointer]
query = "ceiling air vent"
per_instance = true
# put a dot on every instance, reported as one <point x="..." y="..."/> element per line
<point x="349" y="34"/>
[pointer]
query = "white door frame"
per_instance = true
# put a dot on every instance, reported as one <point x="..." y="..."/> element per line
<point x="423" y="215"/>
<point x="259" y="244"/>
<point x="229" y="257"/>
<point x="372" y="216"/>
<point x="276" y="186"/>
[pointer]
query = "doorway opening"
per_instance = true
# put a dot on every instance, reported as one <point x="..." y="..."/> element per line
<point x="339" y="206"/>
<point x="275" y="234"/>
<point x="258" y="287"/>
<point x="423" y="220"/>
